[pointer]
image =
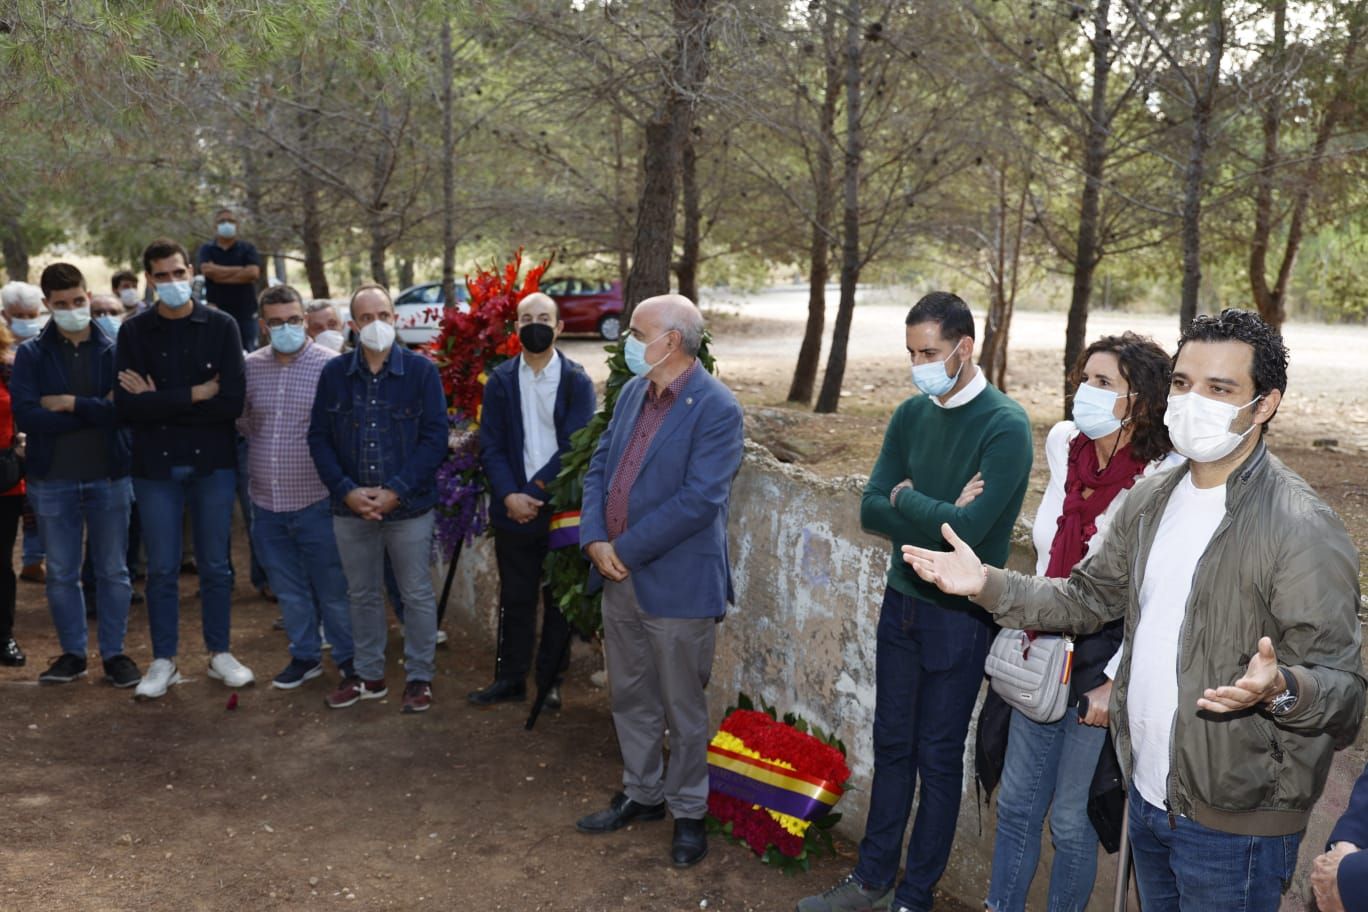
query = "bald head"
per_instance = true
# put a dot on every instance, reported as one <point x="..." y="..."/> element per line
<point x="673" y="313"/>
<point x="535" y="306"/>
<point x="104" y="305"/>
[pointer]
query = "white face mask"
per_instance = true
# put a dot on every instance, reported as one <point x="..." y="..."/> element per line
<point x="378" y="336"/>
<point x="1200" y="427"/>
<point x="330" y="338"/>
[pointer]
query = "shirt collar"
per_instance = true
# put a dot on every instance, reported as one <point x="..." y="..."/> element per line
<point x="394" y="363"/>
<point x="552" y="371"/>
<point x="672" y="391"/>
<point x="966" y="395"/>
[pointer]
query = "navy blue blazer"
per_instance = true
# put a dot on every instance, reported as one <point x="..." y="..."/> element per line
<point x="1353" y="869"/>
<point x="40" y="371"/>
<point x="501" y="438"/>
<point x="675" y="546"/>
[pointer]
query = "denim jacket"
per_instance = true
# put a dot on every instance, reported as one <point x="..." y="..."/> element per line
<point x="414" y="438"/>
<point x="38" y="372"/>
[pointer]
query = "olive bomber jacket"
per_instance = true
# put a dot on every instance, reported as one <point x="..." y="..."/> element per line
<point x="1281" y="565"/>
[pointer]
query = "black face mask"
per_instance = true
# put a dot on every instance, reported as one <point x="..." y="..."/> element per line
<point x="536" y="337"/>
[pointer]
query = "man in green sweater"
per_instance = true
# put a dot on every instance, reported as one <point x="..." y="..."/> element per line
<point x="960" y="437"/>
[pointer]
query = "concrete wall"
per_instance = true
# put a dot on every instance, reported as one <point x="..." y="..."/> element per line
<point x="809" y="583"/>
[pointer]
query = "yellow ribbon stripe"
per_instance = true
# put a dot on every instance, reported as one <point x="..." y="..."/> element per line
<point x="729" y="742"/>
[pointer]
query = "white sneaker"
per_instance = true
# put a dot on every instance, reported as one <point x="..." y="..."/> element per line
<point x="441" y="636"/>
<point x="160" y="676"/>
<point x="225" y="668"/>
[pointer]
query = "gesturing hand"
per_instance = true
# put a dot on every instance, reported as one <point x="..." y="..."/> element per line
<point x="1261" y="682"/>
<point x="605" y="558"/>
<point x="958" y="572"/>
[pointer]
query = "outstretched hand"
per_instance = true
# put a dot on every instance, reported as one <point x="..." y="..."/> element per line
<point x="958" y="572"/>
<point x="1262" y="681"/>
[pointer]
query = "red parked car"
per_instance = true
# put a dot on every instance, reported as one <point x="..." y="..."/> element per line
<point x="587" y="305"/>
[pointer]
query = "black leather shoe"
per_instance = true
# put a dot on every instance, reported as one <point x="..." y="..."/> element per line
<point x="690" y="842"/>
<point x="621" y="811"/>
<point x="11" y="654"/>
<point x="504" y="690"/>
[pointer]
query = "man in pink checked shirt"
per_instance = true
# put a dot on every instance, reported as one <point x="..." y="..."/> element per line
<point x="292" y="527"/>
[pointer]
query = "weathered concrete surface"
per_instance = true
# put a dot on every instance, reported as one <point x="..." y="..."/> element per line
<point x="809" y="583"/>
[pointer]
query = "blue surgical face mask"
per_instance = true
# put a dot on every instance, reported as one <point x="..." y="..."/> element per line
<point x="227" y="230"/>
<point x="25" y="329"/>
<point x="74" y="320"/>
<point x="287" y="339"/>
<point x="174" y="295"/>
<point x="634" y="350"/>
<point x="932" y="379"/>
<point x="1094" y="411"/>
<point x="109" y="323"/>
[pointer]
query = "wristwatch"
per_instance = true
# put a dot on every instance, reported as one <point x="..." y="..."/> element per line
<point x="1284" y="702"/>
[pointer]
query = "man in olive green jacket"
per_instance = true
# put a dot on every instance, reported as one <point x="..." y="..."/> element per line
<point x="1242" y="670"/>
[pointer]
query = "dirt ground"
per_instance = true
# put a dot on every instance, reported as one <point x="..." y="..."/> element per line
<point x="182" y="804"/>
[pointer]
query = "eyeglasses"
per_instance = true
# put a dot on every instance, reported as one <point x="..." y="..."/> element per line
<point x="293" y="321"/>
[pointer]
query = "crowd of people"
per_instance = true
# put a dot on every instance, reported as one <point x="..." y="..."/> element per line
<point x="1209" y="597"/>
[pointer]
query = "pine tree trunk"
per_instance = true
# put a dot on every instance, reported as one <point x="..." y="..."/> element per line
<point x="13" y="248"/>
<point x="830" y="396"/>
<point x="1195" y="172"/>
<point x="687" y="273"/>
<point x="1088" y="252"/>
<point x="819" y="251"/>
<point x="448" y="166"/>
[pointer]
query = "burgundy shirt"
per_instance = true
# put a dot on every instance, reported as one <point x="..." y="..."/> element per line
<point x="654" y="408"/>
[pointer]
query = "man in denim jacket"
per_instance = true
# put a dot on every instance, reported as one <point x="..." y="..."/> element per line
<point x="377" y="434"/>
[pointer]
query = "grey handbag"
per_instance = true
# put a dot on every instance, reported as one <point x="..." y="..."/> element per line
<point x="1032" y="676"/>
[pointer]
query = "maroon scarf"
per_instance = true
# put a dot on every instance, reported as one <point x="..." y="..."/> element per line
<point x="1078" y="521"/>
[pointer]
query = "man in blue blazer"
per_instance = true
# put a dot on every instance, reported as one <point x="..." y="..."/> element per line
<point x="1339" y="877"/>
<point x="654" y="523"/>
<point x="532" y="404"/>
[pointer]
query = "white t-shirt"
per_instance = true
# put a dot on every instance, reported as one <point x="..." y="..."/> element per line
<point x="537" y="393"/>
<point x="1185" y="530"/>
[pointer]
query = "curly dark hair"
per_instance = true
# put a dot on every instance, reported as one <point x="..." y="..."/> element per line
<point x="1236" y="325"/>
<point x="1146" y="368"/>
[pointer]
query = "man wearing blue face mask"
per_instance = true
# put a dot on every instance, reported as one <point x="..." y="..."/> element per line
<point x="180" y="390"/>
<point x="654" y="523"/>
<point x="291" y="522"/>
<point x="231" y="268"/>
<point x="961" y="452"/>
<point x="1242" y="670"/>
<point x="78" y="464"/>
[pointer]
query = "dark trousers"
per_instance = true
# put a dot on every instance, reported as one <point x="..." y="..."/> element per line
<point x="520" y="558"/>
<point x="928" y="671"/>
<point x="10" y="509"/>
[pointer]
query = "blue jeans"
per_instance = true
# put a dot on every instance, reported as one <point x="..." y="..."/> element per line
<point x="258" y="569"/>
<point x="1049" y="766"/>
<point x="161" y="505"/>
<point x="928" y="671"/>
<point x="363" y="545"/>
<point x="1191" y="868"/>
<point x="304" y="569"/>
<point x="66" y="511"/>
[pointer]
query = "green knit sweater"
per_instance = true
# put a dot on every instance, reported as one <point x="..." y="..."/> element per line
<point x="940" y="449"/>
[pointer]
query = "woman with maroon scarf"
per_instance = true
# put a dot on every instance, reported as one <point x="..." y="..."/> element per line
<point x="1117" y="436"/>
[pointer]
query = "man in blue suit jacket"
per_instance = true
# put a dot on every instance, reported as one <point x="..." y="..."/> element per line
<point x="532" y="404"/>
<point x="1339" y="877"/>
<point x="654" y="522"/>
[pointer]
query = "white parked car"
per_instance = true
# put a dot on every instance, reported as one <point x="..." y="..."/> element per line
<point x="418" y="311"/>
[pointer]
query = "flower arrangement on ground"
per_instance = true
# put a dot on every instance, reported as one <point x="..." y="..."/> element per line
<point x="773" y="783"/>
<point x="468" y="346"/>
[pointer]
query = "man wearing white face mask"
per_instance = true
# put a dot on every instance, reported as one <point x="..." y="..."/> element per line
<point x="78" y="463"/>
<point x="1239" y="587"/>
<point x="377" y="434"/>
<point x="323" y="324"/>
<point x="180" y="389"/>
<point x="937" y="449"/>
